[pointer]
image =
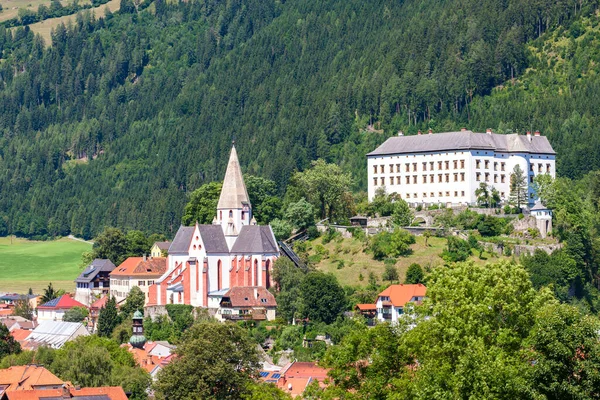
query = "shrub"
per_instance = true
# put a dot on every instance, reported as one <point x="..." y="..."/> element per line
<point x="414" y="274"/>
<point x="457" y="250"/>
<point x="395" y="244"/>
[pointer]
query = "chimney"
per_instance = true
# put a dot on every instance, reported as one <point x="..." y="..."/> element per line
<point x="529" y="136"/>
<point x="400" y="133"/>
<point x="419" y="133"/>
<point x="463" y="129"/>
<point x="144" y="256"/>
<point x="430" y="131"/>
<point x="66" y="393"/>
<point x="488" y="131"/>
<point x="536" y="133"/>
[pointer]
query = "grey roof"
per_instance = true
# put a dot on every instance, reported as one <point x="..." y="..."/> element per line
<point x="94" y="269"/>
<point x="464" y="140"/>
<point x="163" y="245"/>
<point x="234" y="193"/>
<point x="182" y="240"/>
<point x="213" y="239"/>
<point x="255" y="239"/>
<point x="538" y="206"/>
<point x="56" y="333"/>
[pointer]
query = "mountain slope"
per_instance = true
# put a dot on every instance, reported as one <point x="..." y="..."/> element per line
<point x="124" y="115"/>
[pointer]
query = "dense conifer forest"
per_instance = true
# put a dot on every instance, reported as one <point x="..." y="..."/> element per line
<point x="124" y="114"/>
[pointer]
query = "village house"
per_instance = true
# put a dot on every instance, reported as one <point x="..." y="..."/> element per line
<point x="448" y="167"/>
<point x="55" y="309"/>
<point x="205" y="261"/>
<point x="246" y="302"/>
<point x="33" y="382"/>
<point x="160" y="249"/>
<point x="12" y="298"/>
<point x="295" y="377"/>
<point x="136" y="271"/>
<point x="392" y="302"/>
<point x="54" y="334"/>
<point x="94" y="281"/>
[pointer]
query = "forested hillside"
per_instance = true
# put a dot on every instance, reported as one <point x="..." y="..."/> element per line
<point x="124" y="114"/>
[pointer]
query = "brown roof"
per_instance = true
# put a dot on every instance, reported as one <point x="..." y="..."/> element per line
<point x="401" y="294"/>
<point x="250" y="296"/>
<point x="27" y="377"/>
<point x="366" y="307"/>
<point x="162" y="245"/>
<point x="99" y="393"/>
<point x="136" y="266"/>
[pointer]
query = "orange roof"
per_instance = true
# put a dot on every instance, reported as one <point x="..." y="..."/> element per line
<point x="5" y="312"/>
<point x="20" y="334"/>
<point x="113" y="393"/>
<point x="27" y="377"/>
<point x="366" y="307"/>
<point x="101" y="302"/>
<point x="294" y="386"/>
<point x="136" y="266"/>
<point x="145" y="360"/>
<point x="304" y="370"/>
<point x="401" y="294"/>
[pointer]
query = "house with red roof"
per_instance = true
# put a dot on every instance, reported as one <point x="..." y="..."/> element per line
<point x="136" y="271"/>
<point x="295" y="377"/>
<point x="246" y="302"/>
<point x="392" y="302"/>
<point x="55" y="309"/>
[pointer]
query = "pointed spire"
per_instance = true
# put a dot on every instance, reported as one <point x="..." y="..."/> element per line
<point x="234" y="192"/>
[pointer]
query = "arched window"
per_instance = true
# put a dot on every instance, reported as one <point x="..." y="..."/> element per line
<point x="230" y="214"/>
<point x="255" y="272"/>
<point x="219" y="275"/>
<point x="267" y="282"/>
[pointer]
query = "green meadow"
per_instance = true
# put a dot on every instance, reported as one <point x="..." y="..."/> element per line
<point x="28" y="264"/>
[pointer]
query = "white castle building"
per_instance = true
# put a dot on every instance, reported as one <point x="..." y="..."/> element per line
<point x="448" y="167"/>
<point x="205" y="261"/>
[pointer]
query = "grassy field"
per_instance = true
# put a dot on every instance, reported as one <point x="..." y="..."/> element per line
<point x="10" y="8"/>
<point x="25" y="264"/>
<point x="44" y="28"/>
<point x="356" y="262"/>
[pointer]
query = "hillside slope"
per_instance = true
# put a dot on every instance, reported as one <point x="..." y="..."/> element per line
<point x="124" y="115"/>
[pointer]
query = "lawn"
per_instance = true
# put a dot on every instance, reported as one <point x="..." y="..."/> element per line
<point x="25" y="264"/>
<point x="357" y="263"/>
<point x="44" y="28"/>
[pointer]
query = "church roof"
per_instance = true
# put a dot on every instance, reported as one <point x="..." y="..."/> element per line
<point x="255" y="239"/>
<point x="182" y="240"/>
<point x="233" y="194"/>
<point x="97" y="266"/>
<point x="464" y="140"/>
<point x="213" y="239"/>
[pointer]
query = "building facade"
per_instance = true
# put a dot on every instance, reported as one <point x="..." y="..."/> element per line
<point x="446" y="168"/>
<point x="205" y="260"/>
<point x="136" y="271"/>
<point x="392" y="302"/>
<point x="94" y="281"/>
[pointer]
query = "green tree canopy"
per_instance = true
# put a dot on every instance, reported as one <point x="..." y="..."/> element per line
<point x="75" y="314"/>
<point x="202" y="205"/>
<point x="134" y="301"/>
<point x="214" y="361"/>
<point x="111" y="244"/>
<point x="322" y="299"/>
<point x="8" y="344"/>
<point x="414" y="274"/>
<point x="300" y="214"/>
<point x="108" y="318"/>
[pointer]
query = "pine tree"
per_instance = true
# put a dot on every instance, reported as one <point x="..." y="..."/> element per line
<point x="518" y="187"/>
<point x="108" y="318"/>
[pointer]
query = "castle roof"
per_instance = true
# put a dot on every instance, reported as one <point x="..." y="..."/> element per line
<point x="255" y="239"/>
<point x="233" y="194"/>
<point x="464" y="140"/>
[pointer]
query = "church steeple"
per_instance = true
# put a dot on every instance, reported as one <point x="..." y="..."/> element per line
<point x="234" y="194"/>
<point x="234" y="209"/>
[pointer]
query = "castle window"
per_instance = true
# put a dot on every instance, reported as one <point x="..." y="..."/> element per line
<point x="414" y="167"/>
<point x="439" y="165"/>
<point x="407" y="167"/>
<point x="477" y="164"/>
<point x="477" y="176"/>
<point x="397" y="167"/>
<point x="502" y="165"/>
<point x="462" y="176"/>
<point x="374" y="169"/>
<point x="502" y="178"/>
<point x="230" y="214"/>
<point x="414" y="179"/>
<point x="495" y="166"/>
<point x="408" y="180"/>
<point x="462" y="164"/>
<point x="424" y="178"/>
<point x="425" y="166"/>
<point x="487" y="164"/>
<point x="439" y="177"/>
<point x="447" y="164"/>
<point x="431" y="165"/>
<point x="381" y="169"/>
<point x="495" y="178"/>
<point x="462" y="193"/>
<point x="455" y="164"/>
<point x="374" y="181"/>
<point x="548" y="168"/>
<point x="382" y="181"/>
<point x="455" y="177"/>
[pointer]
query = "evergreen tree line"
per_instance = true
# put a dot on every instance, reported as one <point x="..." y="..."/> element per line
<point x="127" y="113"/>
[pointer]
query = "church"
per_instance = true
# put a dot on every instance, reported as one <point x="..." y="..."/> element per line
<point x="205" y="261"/>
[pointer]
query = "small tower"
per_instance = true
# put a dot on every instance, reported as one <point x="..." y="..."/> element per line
<point x="543" y="218"/>
<point x="138" y="339"/>
<point x="234" y="209"/>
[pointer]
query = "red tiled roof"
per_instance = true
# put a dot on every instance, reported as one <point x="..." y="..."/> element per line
<point x="366" y="307"/>
<point x="27" y="377"/>
<point x="113" y="393"/>
<point x="136" y="266"/>
<point x="63" y="302"/>
<point x="101" y="302"/>
<point x="20" y="334"/>
<point x="6" y="312"/>
<point x="401" y="294"/>
<point x="250" y="296"/>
